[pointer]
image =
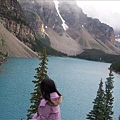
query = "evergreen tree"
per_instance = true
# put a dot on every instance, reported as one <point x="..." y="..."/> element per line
<point x="41" y="73"/>
<point x="103" y="103"/>
<point x="108" y="97"/>
<point x="98" y="108"/>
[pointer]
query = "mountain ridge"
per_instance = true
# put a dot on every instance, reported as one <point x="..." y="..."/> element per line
<point x="76" y="21"/>
<point x="36" y="23"/>
<point x="14" y="47"/>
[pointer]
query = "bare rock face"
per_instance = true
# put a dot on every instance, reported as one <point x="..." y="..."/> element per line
<point x="76" y="19"/>
<point x="46" y="11"/>
<point x="86" y="32"/>
<point x="100" y="30"/>
<point x="13" y="47"/>
<point x="42" y="20"/>
<point x="14" y="20"/>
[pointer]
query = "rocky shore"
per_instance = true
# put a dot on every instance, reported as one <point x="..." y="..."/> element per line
<point x="2" y="59"/>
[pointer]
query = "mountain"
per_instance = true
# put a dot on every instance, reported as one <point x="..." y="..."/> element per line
<point x="12" y="46"/>
<point x="62" y="28"/>
<point x="16" y="37"/>
<point x="77" y="33"/>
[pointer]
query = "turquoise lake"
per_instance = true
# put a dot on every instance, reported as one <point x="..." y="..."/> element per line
<point x="76" y="79"/>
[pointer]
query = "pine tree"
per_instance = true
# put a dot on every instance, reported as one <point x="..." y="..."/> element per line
<point x="98" y="108"/>
<point x="108" y="97"/>
<point x="103" y="103"/>
<point x="41" y="73"/>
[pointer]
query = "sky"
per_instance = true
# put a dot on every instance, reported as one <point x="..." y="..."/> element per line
<point x="106" y="11"/>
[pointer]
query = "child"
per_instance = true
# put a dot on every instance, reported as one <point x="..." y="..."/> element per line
<point x="49" y="105"/>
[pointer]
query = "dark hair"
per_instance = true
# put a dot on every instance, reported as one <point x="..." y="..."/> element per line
<point x="48" y="86"/>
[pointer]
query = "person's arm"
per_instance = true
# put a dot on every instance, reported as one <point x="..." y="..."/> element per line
<point x="56" y="102"/>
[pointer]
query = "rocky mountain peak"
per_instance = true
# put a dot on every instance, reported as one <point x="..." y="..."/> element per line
<point x="79" y="25"/>
<point x="12" y="9"/>
<point x="14" y="19"/>
<point x="44" y="20"/>
<point x="75" y="18"/>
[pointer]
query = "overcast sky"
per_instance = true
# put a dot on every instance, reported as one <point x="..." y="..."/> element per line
<point x="106" y="11"/>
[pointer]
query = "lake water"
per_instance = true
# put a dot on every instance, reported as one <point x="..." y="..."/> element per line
<point x="76" y="79"/>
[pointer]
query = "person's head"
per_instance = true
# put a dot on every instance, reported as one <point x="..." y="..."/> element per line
<point x="47" y="87"/>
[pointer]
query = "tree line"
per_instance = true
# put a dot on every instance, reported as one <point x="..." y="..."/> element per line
<point x="115" y="66"/>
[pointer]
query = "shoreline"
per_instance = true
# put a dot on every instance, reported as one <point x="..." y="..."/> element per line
<point x="2" y="60"/>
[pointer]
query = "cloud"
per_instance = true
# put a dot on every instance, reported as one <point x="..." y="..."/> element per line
<point x="106" y="11"/>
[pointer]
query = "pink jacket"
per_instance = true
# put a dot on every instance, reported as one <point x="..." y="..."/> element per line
<point x="47" y="112"/>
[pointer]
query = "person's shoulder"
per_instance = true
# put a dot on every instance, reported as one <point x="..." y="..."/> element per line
<point x="57" y="101"/>
<point x="54" y="95"/>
